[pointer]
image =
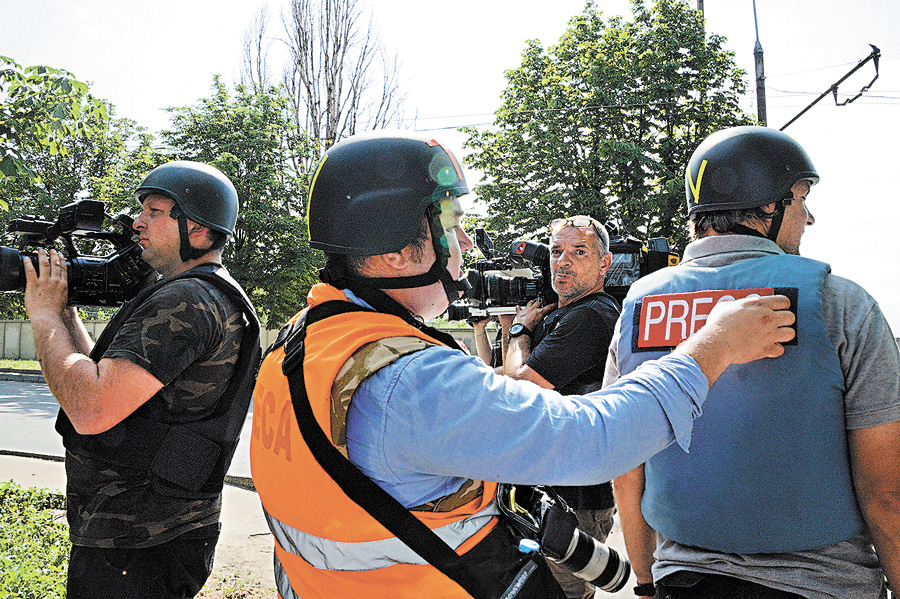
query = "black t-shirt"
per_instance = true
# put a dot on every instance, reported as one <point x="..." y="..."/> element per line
<point x="570" y="345"/>
<point x="569" y="349"/>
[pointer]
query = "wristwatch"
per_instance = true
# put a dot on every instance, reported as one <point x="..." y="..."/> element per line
<point x="647" y="589"/>
<point x="518" y="329"/>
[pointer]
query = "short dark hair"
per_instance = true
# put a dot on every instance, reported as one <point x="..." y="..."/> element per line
<point x="218" y="239"/>
<point x="724" y="221"/>
<point x="354" y="265"/>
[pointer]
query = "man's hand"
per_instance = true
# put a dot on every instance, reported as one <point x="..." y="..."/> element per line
<point x="47" y="290"/>
<point x="532" y="313"/>
<point x="741" y="331"/>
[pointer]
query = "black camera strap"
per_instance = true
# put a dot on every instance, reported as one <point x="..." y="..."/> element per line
<point x="389" y="512"/>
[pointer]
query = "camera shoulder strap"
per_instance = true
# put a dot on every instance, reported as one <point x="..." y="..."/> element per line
<point x="389" y="512"/>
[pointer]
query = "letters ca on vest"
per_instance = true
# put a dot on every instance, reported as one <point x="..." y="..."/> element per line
<point x="271" y="429"/>
<point x="663" y="321"/>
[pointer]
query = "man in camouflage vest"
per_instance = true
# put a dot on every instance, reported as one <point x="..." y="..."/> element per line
<point x="150" y="414"/>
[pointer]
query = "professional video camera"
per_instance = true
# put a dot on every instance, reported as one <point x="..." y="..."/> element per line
<point x="93" y="280"/>
<point x="631" y="260"/>
<point x="541" y="515"/>
<point x="500" y="284"/>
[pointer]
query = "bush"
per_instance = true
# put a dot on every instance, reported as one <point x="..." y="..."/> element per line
<point x="34" y="543"/>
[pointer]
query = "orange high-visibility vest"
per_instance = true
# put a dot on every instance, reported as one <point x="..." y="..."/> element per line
<point x="325" y="544"/>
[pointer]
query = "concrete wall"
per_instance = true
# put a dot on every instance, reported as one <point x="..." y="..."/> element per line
<point x="17" y="340"/>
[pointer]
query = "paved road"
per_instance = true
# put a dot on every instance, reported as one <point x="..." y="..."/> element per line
<point x="28" y="412"/>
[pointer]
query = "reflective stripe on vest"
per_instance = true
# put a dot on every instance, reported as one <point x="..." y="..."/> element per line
<point x="282" y="582"/>
<point x="371" y="555"/>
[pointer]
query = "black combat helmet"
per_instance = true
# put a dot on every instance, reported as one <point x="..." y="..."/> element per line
<point x="370" y="192"/>
<point x="369" y="195"/>
<point x="203" y="193"/>
<point x="745" y="167"/>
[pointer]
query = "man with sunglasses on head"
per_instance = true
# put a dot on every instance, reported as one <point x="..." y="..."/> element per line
<point x="563" y="346"/>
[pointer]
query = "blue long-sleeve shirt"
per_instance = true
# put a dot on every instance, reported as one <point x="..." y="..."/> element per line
<point x="424" y="424"/>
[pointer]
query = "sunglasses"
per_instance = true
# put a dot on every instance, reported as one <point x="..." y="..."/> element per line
<point x="579" y="222"/>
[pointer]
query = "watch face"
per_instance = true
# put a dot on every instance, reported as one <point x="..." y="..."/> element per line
<point x="517" y="329"/>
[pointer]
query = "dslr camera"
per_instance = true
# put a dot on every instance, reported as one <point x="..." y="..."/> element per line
<point x="541" y="515"/>
<point x="93" y="280"/>
<point x="498" y="285"/>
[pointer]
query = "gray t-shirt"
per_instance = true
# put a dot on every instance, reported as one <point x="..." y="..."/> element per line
<point x="870" y="362"/>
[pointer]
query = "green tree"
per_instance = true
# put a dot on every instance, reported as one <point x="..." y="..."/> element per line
<point x="105" y="165"/>
<point x="604" y="122"/>
<point x="248" y="137"/>
<point x="40" y="109"/>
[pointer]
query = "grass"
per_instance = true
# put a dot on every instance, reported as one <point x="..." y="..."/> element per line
<point x="34" y="550"/>
<point x="34" y="543"/>
<point x="20" y="364"/>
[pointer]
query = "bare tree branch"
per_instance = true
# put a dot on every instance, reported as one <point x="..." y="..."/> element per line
<point x="255" y="66"/>
<point x="340" y="78"/>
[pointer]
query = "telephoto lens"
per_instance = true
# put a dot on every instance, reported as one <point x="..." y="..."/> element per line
<point x="583" y="555"/>
<point x="596" y="563"/>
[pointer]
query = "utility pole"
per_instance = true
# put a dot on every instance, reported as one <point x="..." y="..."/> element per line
<point x="760" y="74"/>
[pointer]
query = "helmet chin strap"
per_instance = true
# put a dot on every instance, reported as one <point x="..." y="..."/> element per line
<point x="438" y="272"/>
<point x="774" y="226"/>
<point x="185" y="251"/>
<point x="777" y="219"/>
<point x="454" y="289"/>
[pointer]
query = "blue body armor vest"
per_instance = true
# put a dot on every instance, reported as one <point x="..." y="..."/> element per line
<point x="768" y="469"/>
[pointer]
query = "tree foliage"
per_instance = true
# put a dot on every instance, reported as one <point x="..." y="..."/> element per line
<point x="40" y="109"/>
<point x="604" y="122"/>
<point x="105" y="165"/>
<point x="248" y="136"/>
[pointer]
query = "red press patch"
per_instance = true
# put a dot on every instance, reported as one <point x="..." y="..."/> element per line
<point x="667" y="320"/>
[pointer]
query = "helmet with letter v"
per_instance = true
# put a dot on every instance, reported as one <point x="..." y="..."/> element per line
<point x="745" y="167"/>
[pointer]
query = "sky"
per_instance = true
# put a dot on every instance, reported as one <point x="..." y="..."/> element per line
<point x="145" y="56"/>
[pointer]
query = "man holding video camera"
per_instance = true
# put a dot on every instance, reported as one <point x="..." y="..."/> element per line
<point x="376" y="439"/>
<point x="794" y="471"/>
<point x="564" y="347"/>
<point x="151" y="414"/>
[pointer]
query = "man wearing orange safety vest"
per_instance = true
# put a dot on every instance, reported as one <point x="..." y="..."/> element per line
<point x="378" y="443"/>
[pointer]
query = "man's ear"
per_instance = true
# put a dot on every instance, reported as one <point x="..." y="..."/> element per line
<point x="395" y="260"/>
<point x="769" y="208"/>
<point x="606" y="262"/>
<point x="198" y="235"/>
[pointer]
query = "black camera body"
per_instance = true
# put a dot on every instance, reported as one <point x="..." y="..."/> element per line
<point x="498" y="285"/>
<point x="92" y="280"/>
<point x="540" y="514"/>
<point x="632" y="259"/>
